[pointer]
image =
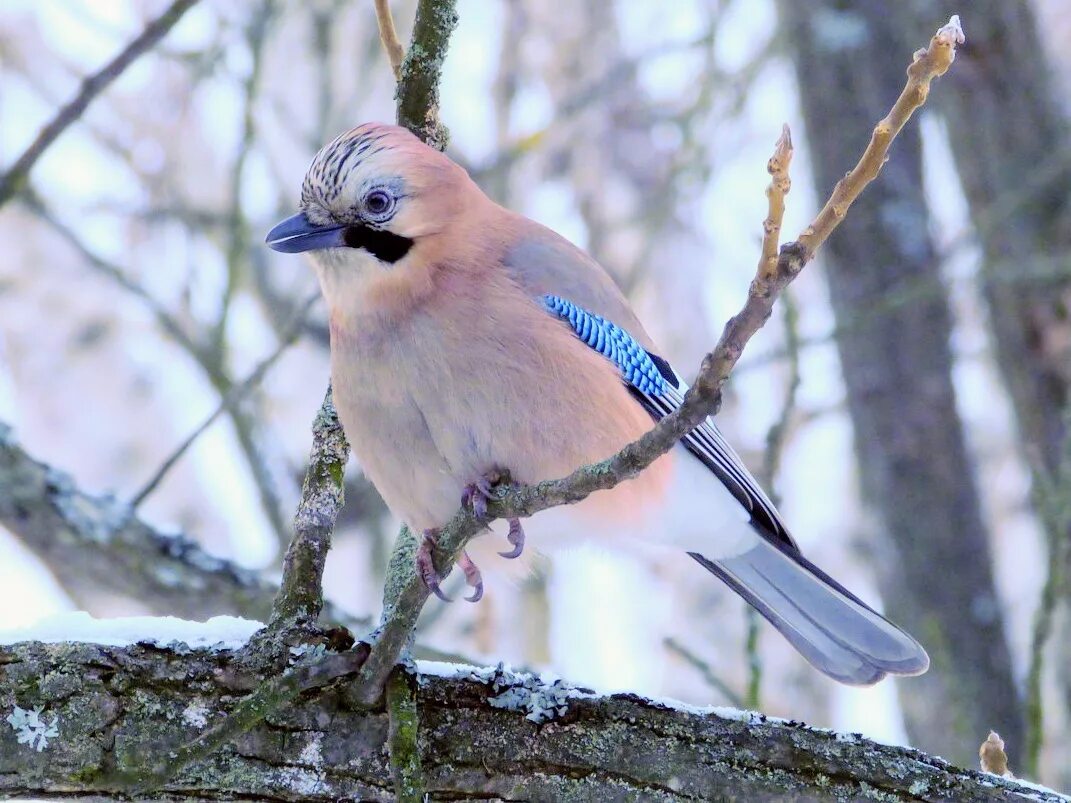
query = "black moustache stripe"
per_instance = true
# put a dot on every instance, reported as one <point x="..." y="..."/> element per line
<point x="381" y="244"/>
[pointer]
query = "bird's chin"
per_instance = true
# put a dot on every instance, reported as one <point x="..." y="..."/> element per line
<point x="355" y="262"/>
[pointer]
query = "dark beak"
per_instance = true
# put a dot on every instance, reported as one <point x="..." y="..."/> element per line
<point x="297" y="234"/>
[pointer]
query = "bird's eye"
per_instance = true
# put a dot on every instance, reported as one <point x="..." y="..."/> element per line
<point x="379" y="204"/>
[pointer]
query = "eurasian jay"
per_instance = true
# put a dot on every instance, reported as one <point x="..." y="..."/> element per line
<point x="467" y="340"/>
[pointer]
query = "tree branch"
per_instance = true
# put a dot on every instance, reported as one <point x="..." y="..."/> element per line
<point x="418" y="84"/>
<point x="88" y="542"/>
<point x="322" y="496"/>
<point x="13" y="181"/>
<point x="485" y="733"/>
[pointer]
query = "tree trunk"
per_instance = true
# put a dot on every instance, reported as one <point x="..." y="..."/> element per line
<point x="934" y="566"/>
<point x="1012" y="146"/>
<point x="483" y="734"/>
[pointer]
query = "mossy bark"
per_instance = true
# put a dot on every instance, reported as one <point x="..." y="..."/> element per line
<point x="121" y="711"/>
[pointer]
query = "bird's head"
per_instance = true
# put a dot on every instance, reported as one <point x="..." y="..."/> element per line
<point x="370" y="198"/>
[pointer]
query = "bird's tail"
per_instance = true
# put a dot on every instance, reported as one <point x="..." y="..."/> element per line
<point x="832" y="628"/>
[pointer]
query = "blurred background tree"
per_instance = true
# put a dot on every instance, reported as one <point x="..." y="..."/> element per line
<point x="909" y="408"/>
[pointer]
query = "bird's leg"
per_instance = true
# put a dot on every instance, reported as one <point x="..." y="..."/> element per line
<point x="472" y="577"/>
<point x="516" y="538"/>
<point x="425" y="564"/>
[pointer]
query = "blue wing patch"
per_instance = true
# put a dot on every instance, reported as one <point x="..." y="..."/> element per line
<point x="658" y="387"/>
<point x="613" y="342"/>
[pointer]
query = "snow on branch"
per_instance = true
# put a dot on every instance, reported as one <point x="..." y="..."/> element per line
<point x="91" y="718"/>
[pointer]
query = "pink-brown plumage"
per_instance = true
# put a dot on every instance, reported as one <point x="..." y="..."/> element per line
<point x="448" y="366"/>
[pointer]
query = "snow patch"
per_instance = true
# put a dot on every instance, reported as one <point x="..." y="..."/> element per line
<point x="31" y="729"/>
<point x="545" y="696"/>
<point x="218" y="633"/>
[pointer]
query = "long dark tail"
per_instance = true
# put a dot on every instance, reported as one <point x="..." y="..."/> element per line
<point x="832" y="628"/>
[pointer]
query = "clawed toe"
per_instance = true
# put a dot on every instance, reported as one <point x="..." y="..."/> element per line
<point x="472" y="577"/>
<point x="426" y="565"/>
<point x="477" y="494"/>
<point x="515" y="537"/>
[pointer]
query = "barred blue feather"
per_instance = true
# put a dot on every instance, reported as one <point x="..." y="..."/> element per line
<point x="613" y="342"/>
<point x="661" y="391"/>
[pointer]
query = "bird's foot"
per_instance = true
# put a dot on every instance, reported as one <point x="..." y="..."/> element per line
<point x="516" y="538"/>
<point x="425" y="564"/>
<point x="472" y="577"/>
<point x="477" y="494"/>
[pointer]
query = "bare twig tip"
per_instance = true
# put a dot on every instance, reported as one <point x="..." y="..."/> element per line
<point x="952" y="32"/>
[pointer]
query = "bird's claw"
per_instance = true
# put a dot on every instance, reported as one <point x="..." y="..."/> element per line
<point x="472" y="577"/>
<point x="515" y="537"/>
<point x="476" y="495"/>
<point x="425" y="563"/>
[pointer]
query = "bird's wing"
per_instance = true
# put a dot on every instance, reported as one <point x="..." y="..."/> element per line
<point x="831" y="627"/>
<point x="661" y="391"/>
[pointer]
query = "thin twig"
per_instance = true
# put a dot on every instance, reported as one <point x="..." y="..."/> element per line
<point x="704" y="669"/>
<point x="12" y="181"/>
<point x="928" y="64"/>
<point x="780" y="184"/>
<point x="229" y="401"/>
<point x="389" y="37"/>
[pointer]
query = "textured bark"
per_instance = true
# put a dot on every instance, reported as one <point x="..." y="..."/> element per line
<point x="116" y="709"/>
<point x="935" y="571"/>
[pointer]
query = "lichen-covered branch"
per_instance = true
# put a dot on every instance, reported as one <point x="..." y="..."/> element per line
<point x="14" y="179"/>
<point x="95" y="718"/>
<point x="418" y="84"/>
<point x="322" y="496"/>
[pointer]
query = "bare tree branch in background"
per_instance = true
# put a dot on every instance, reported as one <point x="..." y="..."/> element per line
<point x="91" y="542"/>
<point x="229" y="400"/>
<point x="914" y="466"/>
<point x="207" y="359"/>
<point x="14" y="179"/>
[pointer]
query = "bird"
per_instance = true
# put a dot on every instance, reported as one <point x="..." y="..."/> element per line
<point x="470" y="343"/>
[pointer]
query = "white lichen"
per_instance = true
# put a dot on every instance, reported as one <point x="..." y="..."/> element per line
<point x="31" y="729"/>
<point x="542" y="700"/>
<point x="311" y="754"/>
<point x="195" y="714"/>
